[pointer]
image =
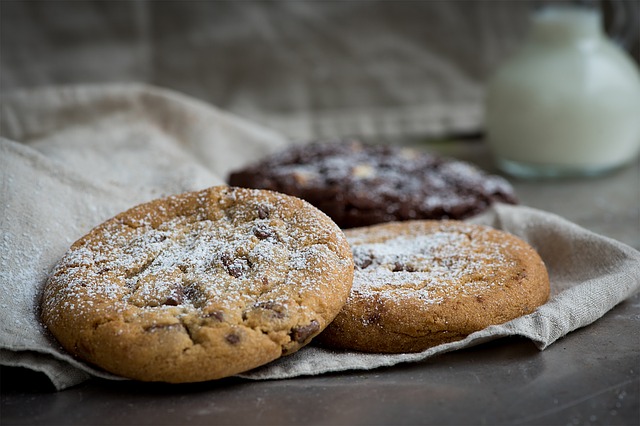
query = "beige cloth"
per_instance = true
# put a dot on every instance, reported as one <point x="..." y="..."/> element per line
<point x="306" y="68"/>
<point x="72" y="157"/>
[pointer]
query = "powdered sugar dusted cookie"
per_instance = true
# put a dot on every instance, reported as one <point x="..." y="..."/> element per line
<point x="200" y="285"/>
<point x="418" y="284"/>
<point x="360" y="184"/>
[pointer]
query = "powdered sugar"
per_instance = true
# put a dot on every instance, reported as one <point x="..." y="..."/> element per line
<point x="193" y="262"/>
<point x="431" y="267"/>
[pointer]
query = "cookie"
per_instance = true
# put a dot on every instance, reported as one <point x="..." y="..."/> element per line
<point x="418" y="284"/>
<point x="199" y="286"/>
<point x="358" y="184"/>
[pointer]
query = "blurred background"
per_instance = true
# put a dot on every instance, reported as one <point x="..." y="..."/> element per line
<point x="385" y="69"/>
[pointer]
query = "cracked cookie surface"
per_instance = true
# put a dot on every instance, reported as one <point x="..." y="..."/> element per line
<point x="418" y="284"/>
<point x="199" y="286"/>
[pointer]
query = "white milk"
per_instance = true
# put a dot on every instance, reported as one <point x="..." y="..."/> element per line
<point x="568" y="103"/>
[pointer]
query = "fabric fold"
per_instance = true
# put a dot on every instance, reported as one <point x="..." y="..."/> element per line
<point x="73" y="157"/>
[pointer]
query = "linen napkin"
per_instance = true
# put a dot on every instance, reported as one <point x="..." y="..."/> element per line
<point x="72" y="157"/>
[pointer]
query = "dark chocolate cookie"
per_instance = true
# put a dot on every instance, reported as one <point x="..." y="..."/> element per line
<point x="359" y="184"/>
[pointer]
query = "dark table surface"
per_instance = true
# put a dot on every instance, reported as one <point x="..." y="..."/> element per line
<point x="590" y="377"/>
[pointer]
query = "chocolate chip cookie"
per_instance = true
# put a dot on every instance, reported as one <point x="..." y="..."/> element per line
<point x="199" y="286"/>
<point x="360" y="184"/>
<point x="418" y="284"/>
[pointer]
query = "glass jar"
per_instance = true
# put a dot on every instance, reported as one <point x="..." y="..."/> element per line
<point x="567" y="103"/>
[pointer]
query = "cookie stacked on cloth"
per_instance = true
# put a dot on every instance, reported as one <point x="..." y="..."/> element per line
<point x="209" y="284"/>
<point x="199" y="286"/>
<point x="419" y="284"/>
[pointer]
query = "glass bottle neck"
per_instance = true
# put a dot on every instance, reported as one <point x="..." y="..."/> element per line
<point x="566" y="24"/>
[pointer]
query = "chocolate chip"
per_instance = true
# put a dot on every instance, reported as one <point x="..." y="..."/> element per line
<point x="276" y="309"/>
<point x="234" y="267"/>
<point x="215" y="314"/>
<point x="226" y="259"/>
<point x="300" y="334"/>
<point x="235" y="270"/>
<point x="176" y="297"/>
<point x="262" y="231"/>
<point x="157" y="238"/>
<point x="232" y="338"/>
<point x="363" y="262"/>
<point x="194" y="295"/>
<point x="171" y="301"/>
<point x="263" y="212"/>
<point x="397" y="267"/>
